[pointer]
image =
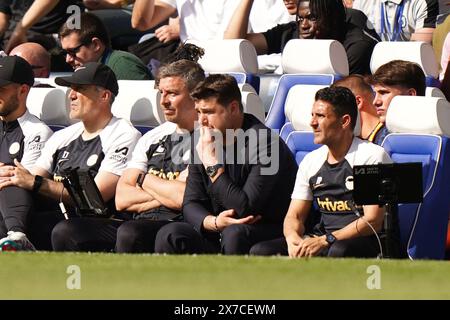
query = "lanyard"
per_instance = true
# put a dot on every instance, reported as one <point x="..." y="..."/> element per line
<point x="397" y="21"/>
<point x="105" y="56"/>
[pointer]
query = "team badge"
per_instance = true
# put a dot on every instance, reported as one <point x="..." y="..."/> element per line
<point x="14" y="148"/>
<point x="349" y="183"/>
<point x="92" y="160"/>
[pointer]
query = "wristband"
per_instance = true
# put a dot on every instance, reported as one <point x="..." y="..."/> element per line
<point x="37" y="183"/>
<point x="140" y="179"/>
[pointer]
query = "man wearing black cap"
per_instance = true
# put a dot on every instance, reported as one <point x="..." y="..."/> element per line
<point x="22" y="137"/>
<point x="99" y="143"/>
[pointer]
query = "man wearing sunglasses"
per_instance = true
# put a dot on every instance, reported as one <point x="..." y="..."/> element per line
<point x="91" y="43"/>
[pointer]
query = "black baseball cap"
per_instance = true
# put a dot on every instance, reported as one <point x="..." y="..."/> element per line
<point x="92" y="73"/>
<point x="14" y="69"/>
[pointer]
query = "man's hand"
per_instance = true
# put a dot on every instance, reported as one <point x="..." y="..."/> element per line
<point x="225" y="219"/>
<point x="15" y="176"/>
<point x="311" y="247"/>
<point x="183" y="175"/>
<point x="167" y="33"/>
<point x="206" y="147"/>
<point x="294" y="246"/>
<point x="18" y="36"/>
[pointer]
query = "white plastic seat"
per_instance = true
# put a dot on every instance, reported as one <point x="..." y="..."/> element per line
<point x="415" y="51"/>
<point x="139" y="102"/>
<point x="50" y="105"/>
<point x="315" y="57"/>
<point x="230" y="55"/>
<point x="253" y="104"/>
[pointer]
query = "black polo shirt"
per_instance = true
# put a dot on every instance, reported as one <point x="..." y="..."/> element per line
<point x="358" y="44"/>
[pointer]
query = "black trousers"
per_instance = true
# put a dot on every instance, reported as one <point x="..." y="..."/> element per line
<point x="97" y="235"/>
<point x="182" y="238"/>
<point x="85" y="234"/>
<point x="361" y="247"/>
<point x="15" y="207"/>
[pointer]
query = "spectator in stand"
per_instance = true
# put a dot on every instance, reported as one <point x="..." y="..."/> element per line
<point x="445" y="55"/>
<point x="36" y="56"/>
<point x="91" y="43"/>
<point x="42" y="17"/>
<point x="199" y="20"/>
<point x="371" y="126"/>
<point x="445" y="85"/>
<point x="394" y="78"/>
<point x="317" y="19"/>
<point x="348" y="3"/>
<point x="401" y="20"/>
<point x="291" y="6"/>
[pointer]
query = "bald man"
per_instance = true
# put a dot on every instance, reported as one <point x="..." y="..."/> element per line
<point x="36" y="56"/>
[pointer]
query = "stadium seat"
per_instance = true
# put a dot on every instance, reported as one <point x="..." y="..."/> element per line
<point x="300" y="99"/>
<point x="297" y="132"/>
<point x="252" y="104"/>
<point x="420" y="133"/>
<point x="415" y="51"/>
<point x="434" y="92"/>
<point x="300" y="138"/>
<point x="50" y="105"/>
<point x="138" y="102"/>
<point x="314" y="62"/>
<point x="236" y="57"/>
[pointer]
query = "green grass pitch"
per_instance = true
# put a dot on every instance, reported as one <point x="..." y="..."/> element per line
<point x="112" y="276"/>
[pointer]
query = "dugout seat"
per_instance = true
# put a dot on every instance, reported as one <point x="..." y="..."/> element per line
<point x="415" y="51"/>
<point x="50" y="105"/>
<point x="297" y="132"/>
<point x="236" y="57"/>
<point x="308" y="62"/>
<point x="139" y="102"/>
<point x="252" y="104"/>
<point x="420" y="130"/>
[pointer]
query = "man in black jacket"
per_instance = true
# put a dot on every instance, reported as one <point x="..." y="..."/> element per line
<point x="239" y="187"/>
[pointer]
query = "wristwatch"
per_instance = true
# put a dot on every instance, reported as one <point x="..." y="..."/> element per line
<point x="330" y="238"/>
<point x="211" y="171"/>
<point x="37" y="183"/>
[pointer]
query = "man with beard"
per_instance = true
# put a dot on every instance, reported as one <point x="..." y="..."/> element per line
<point x="22" y="137"/>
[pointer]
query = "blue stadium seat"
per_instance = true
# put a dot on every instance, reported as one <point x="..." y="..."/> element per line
<point x="301" y="143"/>
<point x="251" y="79"/>
<point x="420" y="135"/>
<point x="276" y="117"/>
<point x="306" y="62"/>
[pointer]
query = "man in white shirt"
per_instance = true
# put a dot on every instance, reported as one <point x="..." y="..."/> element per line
<point x="401" y="20"/>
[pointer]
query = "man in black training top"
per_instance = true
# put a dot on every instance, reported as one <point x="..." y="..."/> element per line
<point x="325" y="176"/>
<point x="239" y="185"/>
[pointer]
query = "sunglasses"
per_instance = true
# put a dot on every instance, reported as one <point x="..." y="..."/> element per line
<point x="73" y="51"/>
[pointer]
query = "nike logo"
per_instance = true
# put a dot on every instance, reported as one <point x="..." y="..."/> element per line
<point x="318" y="185"/>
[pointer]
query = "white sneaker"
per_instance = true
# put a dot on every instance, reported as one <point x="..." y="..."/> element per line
<point x="16" y="241"/>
